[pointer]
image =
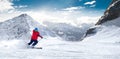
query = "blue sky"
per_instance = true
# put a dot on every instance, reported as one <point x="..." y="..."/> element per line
<point x="62" y="4"/>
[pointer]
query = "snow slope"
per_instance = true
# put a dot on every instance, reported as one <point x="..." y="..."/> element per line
<point x="107" y="34"/>
<point x="53" y="48"/>
<point x="114" y="22"/>
<point x="103" y="45"/>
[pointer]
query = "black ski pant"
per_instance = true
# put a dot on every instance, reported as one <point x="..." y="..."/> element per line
<point x="33" y="42"/>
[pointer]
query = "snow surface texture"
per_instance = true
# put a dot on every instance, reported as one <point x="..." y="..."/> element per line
<point x="113" y="22"/>
<point x="54" y="48"/>
<point x="105" y="34"/>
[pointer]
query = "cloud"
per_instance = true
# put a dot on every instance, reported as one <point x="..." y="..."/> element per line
<point x="8" y="10"/>
<point x="6" y="5"/>
<point x="9" y="15"/>
<point x="90" y="3"/>
<point x="74" y="8"/>
<point x="74" y="18"/>
<point x="21" y="6"/>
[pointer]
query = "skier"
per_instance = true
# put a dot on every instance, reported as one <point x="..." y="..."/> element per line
<point x="34" y="37"/>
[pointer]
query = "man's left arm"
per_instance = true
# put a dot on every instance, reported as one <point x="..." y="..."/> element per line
<point x="40" y="36"/>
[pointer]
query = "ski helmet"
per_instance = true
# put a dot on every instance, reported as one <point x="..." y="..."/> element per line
<point x="36" y="29"/>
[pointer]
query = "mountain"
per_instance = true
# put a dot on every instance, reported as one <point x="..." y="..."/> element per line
<point x="112" y="12"/>
<point x="111" y="17"/>
<point x="66" y="31"/>
<point x="21" y="27"/>
<point x="15" y="28"/>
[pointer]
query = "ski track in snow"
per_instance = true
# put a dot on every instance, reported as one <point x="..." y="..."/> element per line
<point x="62" y="50"/>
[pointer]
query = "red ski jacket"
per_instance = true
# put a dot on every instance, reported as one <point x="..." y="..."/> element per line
<point x="35" y="35"/>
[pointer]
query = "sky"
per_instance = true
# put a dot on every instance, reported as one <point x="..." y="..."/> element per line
<point x="61" y="10"/>
<point x="54" y="4"/>
<point x="62" y="4"/>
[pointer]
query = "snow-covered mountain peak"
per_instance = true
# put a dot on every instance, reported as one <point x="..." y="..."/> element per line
<point x="18" y="27"/>
<point x="23" y="15"/>
<point x="111" y="17"/>
<point x="112" y="13"/>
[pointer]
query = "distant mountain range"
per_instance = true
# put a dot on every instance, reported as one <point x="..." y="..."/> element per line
<point x="21" y="27"/>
